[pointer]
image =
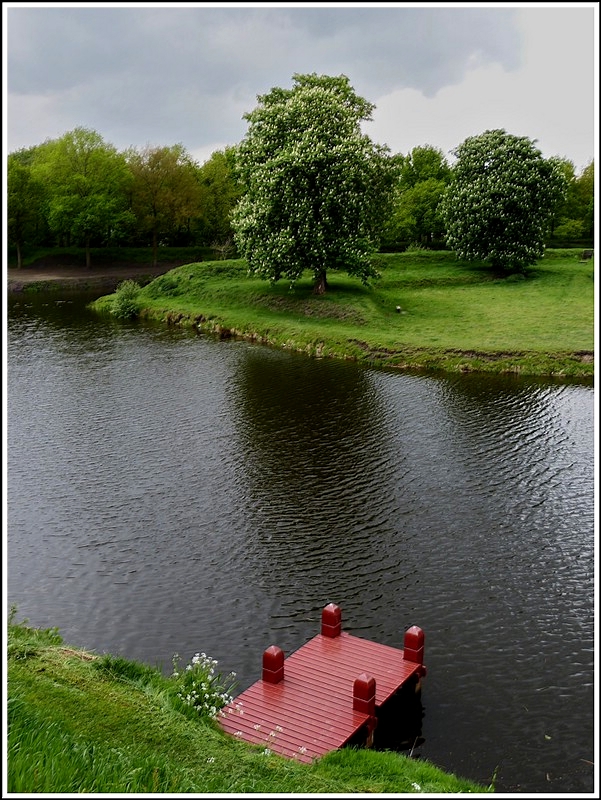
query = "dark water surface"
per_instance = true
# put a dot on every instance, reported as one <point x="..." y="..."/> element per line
<point x="168" y="492"/>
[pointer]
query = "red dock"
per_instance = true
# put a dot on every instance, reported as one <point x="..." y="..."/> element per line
<point x="325" y="694"/>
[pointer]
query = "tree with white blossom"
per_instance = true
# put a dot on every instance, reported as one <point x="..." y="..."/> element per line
<point x="499" y="205"/>
<point x="316" y="189"/>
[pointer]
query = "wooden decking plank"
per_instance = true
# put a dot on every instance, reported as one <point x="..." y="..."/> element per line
<point x="271" y="704"/>
<point x="289" y="711"/>
<point x="335" y="668"/>
<point x="286" y="712"/>
<point x="315" y="740"/>
<point x="356" y="650"/>
<point x="344" y="663"/>
<point x="322" y="685"/>
<point x="349" y="650"/>
<point x="292" y="741"/>
<point x="301" y="687"/>
<point x="340" y="668"/>
<point x="307" y="680"/>
<point x="272" y="715"/>
<point x="289" y="728"/>
<point x="281" y="738"/>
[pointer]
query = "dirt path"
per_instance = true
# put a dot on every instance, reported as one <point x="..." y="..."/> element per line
<point x="70" y="276"/>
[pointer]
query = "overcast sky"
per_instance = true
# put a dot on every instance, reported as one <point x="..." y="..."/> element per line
<point x="161" y="74"/>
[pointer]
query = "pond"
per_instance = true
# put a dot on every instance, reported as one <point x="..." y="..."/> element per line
<point x="172" y="493"/>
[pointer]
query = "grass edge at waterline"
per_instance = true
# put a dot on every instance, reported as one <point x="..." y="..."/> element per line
<point x="426" y="311"/>
<point x="76" y="726"/>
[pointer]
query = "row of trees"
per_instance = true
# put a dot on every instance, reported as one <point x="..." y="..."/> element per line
<point x="304" y="189"/>
<point x="425" y="175"/>
<point x="80" y="191"/>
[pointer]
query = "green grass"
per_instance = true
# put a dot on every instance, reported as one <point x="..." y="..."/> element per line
<point x="87" y="724"/>
<point x="454" y="316"/>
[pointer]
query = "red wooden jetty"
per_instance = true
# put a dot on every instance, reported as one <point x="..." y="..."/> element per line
<point x="326" y="694"/>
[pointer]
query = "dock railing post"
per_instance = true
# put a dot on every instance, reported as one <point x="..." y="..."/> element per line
<point x="273" y="664"/>
<point x="414" y="645"/>
<point x="331" y="621"/>
<point x="413" y="650"/>
<point x="364" y="700"/>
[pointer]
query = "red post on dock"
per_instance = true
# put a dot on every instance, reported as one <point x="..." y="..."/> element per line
<point x="331" y="621"/>
<point x="273" y="664"/>
<point x="364" y="700"/>
<point x="364" y="694"/>
<point x="414" y="647"/>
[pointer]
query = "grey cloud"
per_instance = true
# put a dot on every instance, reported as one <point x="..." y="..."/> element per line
<point x="424" y="49"/>
<point x="51" y="48"/>
<point x="194" y="70"/>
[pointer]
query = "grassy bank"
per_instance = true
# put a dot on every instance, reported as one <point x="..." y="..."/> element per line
<point x="427" y="310"/>
<point x="85" y="723"/>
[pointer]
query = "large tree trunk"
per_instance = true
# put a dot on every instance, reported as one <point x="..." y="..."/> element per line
<point x="321" y="283"/>
<point x="19" y="256"/>
<point x="88" y="254"/>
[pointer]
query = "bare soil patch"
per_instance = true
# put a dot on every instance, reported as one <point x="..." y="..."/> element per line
<point x="61" y="272"/>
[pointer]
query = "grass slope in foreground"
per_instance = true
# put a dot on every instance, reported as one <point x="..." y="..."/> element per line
<point x="453" y="316"/>
<point x="78" y="722"/>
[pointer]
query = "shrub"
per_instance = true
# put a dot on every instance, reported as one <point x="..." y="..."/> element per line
<point x="125" y="303"/>
<point x="201" y="686"/>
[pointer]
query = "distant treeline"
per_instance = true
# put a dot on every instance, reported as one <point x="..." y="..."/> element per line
<point x="79" y="191"/>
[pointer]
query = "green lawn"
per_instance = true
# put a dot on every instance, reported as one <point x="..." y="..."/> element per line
<point x="454" y="315"/>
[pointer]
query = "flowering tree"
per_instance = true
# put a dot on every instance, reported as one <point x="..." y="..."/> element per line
<point x="316" y="189"/>
<point x="500" y="202"/>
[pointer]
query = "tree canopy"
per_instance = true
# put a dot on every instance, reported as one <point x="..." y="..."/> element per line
<point x="322" y="196"/>
<point x="219" y="194"/>
<point x="500" y="202"/>
<point x="316" y="190"/>
<point x="165" y="190"/>
<point x="574" y="216"/>
<point x="24" y="201"/>
<point x="86" y="178"/>
<point x="424" y="175"/>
